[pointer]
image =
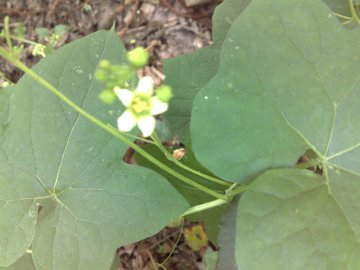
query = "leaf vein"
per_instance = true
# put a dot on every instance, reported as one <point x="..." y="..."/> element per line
<point x="75" y="123"/>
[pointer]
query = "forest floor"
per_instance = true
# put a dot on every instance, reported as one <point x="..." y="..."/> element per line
<point x="167" y="28"/>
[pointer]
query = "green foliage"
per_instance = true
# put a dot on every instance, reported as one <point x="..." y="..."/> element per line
<point x="51" y="36"/>
<point x="64" y="189"/>
<point x="291" y="215"/>
<point x="20" y="30"/>
<point x="227" y="238"/>
<point x="210" y="259"/>
<point x="297" y="97"/>
<point x="279" y="83"/>
<point x="24" y="263"/>
<point x="60" y="29"/>
<point x="42" y="32"/>
<point x="287" y="82"/>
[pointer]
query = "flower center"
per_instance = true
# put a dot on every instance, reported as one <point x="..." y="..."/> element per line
<point x="141" y="105"/>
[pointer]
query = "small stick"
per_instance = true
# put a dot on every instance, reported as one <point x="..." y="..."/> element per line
<point x="123" y="31"/>
<point x="53" y="7"/>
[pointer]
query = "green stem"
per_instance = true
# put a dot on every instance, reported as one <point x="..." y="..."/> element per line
<point x="353" y="12"/>
<point x="7" y="33"/>
<point x="104" y="126"/>
<point x="23" y="40"/>
<point x="342" y="16"/>
<point x="346" y="22"/>
<point x="182" y="165"/>
<point x="204" y="206"/>
<point x="236" y="191"/>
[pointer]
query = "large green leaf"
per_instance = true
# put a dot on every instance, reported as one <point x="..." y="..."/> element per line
<point x="288" y="220"/>
<point x="288" y="81"/>
<point x="64" y="189"/>
<point x="189" y="73"/>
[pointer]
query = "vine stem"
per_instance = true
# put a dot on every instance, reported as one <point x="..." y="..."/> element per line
<point x="230" y="192"/>
<point x="353" y="12"/>
<point x="204" y="206"/>
<point x="117" y="134"/>
<point x="236" y="191"/>
<point x="182" y="165"/>
<point x="7" y="33"/>
<point x="24" y="40"/>
<point x="343" y="16"/>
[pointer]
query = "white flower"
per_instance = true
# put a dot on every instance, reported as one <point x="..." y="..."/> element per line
<point x="141" y="107"/>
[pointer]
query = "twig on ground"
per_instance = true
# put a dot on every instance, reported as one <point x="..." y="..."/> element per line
<point x="52" y="8"/>
<point x="123" y="31"/>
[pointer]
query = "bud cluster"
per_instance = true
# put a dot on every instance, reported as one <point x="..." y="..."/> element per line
<point x="140" y="102"/>
<point x="121" y="75"/>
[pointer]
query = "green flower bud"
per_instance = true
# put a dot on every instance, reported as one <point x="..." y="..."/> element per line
<point x="101" y="75"/>
<point x="107" y="96"/>
<point x="105" y="64"/>
<point x="122" y="72"/>
<point x="138" y="57"/>
<point x="164" y="93"/>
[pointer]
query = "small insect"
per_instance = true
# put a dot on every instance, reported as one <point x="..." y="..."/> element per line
<point x="179" y="153"/>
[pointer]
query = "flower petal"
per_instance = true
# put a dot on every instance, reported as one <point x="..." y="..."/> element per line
<point x="147" y="125"/>
<point x="126" y="121"/>
<point x="146" y="86"/>
<point x="124" y="95"/>
<point x="158" y="106"/>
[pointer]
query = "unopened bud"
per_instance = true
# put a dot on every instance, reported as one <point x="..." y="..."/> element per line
<point x="107" y="96"/>
<point x="138" y="57"/>
<point x="164" y="93"/>
<point x="105" y="64"/>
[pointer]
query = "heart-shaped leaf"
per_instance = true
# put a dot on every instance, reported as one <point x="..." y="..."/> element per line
<point x="288" y="219"/>
<point x="187" y="74"/>
<point x="64" y="189"/>
<point x="288" y="82"/>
